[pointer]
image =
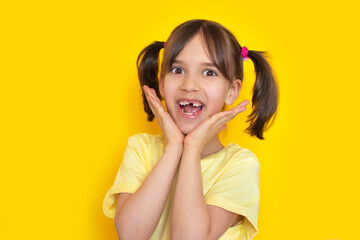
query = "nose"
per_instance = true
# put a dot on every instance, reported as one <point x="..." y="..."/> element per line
<point x="190" y="83"/>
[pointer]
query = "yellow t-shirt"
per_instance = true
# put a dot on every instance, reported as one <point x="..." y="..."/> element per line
<point x="230" y="180"/>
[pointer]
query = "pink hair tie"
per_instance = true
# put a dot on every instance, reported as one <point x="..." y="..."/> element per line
<point x="164" y="44"/>
<point x="244" y="52"/>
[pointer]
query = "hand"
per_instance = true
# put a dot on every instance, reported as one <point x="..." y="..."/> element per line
<point x="208" y="129"/>
<point x="171" y="132"/>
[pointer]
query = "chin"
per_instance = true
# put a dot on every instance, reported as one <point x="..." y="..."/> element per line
<point x="185" y="132"/>
<point x="187" y="129"/>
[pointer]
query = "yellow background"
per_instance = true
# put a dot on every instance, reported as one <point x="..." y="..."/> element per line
<point x="70" y="99"/>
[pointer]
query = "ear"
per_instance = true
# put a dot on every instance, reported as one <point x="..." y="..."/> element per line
<point x="233" y="92"/>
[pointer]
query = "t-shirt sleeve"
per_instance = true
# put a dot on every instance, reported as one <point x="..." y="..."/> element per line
<point x="237" y="190"/>
<point x="131" y="174"/>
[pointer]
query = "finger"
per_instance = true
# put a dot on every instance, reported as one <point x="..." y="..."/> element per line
<point x="242" y="104"/>
<point x="246" y="102"/>
<point x="226" y="116"/>
<point x="153" y="93"/>
<point x="146" y="90"/>
<point x="156" y="108"/>
<point x="151" y="100"/>
<point x="223" y="115"/>
<point x="149" y="95"/>
<point x="223" y="118"/>
<point x="235" y="112"/>
<point x="149" y="91"/>
<point x="218" y="120"/>
<point x="157" y="98"/>
<point x="239" y="109"/>
<point x="157" y="105"/>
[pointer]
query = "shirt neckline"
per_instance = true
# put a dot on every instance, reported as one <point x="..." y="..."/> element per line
<point x="220" y="152"/>
<point x="211" y="156"/>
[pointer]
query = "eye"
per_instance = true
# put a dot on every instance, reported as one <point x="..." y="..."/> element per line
<point x="177" y="70"/>
<point x="210" y="73"/>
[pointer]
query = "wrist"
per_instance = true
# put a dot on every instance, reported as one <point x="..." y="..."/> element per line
<point x="173" y="142"/>
<point x="174" y="147"/>
<point x="192" y="149"/>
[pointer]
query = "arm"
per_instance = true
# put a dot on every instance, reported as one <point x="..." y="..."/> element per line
<point x="190" y="214"/>
<point x="191" y="217"/>
<point x="137" y="216"/>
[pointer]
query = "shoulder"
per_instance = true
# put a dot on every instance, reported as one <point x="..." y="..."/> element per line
<point x="145" y="140"/>
<point x="148" y="148"/>
<point x="241" y="156"/>
<point x="145" y="137"/>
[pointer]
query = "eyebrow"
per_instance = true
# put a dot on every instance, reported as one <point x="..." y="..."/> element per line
<point x="204" y="63"/>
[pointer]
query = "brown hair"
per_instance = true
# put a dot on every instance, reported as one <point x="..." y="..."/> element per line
<point x="225" y="51"/>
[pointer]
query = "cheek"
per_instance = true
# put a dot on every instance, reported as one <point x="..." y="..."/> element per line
<point x="169" y="89"/>
<point x="217" y="105"/>
<point x="169" y="94"/>
<point x="216" y="99"/>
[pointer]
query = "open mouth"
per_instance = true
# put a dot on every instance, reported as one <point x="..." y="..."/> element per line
<point x="190" y="108"/>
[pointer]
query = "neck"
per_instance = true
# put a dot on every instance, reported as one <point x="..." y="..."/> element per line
<point x="212" y="147"/>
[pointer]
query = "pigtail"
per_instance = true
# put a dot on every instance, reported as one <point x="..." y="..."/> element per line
<point x="148" y="72"/>
<point x="265" y="96"/>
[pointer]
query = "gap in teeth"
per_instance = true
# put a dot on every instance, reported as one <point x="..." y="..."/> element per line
<point x="194" y="104"/>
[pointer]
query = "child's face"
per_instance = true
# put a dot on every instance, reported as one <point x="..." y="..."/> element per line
<point x="194" y="80"/>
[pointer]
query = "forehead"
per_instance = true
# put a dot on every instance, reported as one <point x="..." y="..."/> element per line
<point x="194" y="51"/>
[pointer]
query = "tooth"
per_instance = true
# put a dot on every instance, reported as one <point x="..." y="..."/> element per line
<point x="184" y="103"/>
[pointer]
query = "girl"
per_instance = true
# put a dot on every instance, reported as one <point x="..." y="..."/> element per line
<point x="183" y="183"/>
